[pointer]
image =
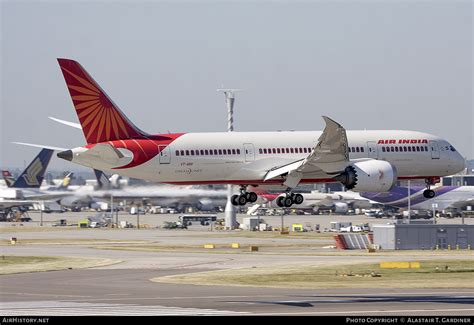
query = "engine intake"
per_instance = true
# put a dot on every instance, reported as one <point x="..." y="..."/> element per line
<point x="369" y="176"/>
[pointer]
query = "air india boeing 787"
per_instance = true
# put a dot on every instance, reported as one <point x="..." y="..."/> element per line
<point x="364" y="161"/>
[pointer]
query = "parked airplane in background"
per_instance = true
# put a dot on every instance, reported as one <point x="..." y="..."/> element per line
<point x="33" y="175"/>
<point x="361" y="160"/>
<point x="447" y="197"/>
<point x="339" y="202"/>
<point x="24" y="191"/>
<point x="8" y="178"/>
<point x="65" y="182"/>
<point x="11" y="183"/>
<point x="178" y="197"/>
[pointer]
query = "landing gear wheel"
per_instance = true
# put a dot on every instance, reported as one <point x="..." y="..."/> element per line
<point x="251" y="197"/>
<point x="429" y="194"/>
<point x="287" y="202"/>
<point x="279" y="201"/>
<point x="234" y="200"/>
<point x="242" y="200"/>
<point x="298" y="199"/>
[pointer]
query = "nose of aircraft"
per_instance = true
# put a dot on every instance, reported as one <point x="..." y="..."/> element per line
<point x="66" y="155"/>
<point x="459" y="163"/>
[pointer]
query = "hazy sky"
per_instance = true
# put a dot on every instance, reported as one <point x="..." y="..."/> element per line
<point x="366" y="64"/>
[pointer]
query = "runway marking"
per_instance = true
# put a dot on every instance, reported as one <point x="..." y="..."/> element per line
<point x="42" y="294"/>
<point x="175" y="298"/>
<point x="348" y="299"/>
<point x="62" y="308"/>
<point x="384" y="294"/>
<point x="351" y="312"/>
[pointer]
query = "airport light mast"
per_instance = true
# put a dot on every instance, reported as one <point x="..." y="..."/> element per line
<point x="229" y="212"/>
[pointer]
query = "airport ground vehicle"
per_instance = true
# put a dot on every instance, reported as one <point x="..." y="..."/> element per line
<point x="135" y="210"/>
<point x="173" y="225"/>
<point x="202" y="219"/>
<point x="374" y="213"/>
<point x="351" y="229"/>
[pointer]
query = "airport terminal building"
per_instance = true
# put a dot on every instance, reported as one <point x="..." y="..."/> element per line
<point x="424" y="236"/>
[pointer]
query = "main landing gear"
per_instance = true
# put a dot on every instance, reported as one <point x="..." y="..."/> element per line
<point x="429" y="193"/>
<point x="244" y="197"/>
<point x="289" y="199"/>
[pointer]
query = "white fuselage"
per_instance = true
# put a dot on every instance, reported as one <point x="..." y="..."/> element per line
<point x="250" y="155"/>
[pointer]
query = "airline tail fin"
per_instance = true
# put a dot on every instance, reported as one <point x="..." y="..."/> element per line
<point x="102" y="180"/>
<point x="9" y="179"/>
<point x="265" y="194"/>
<point x="100" y="118"/>
<point x="66" y="181"/>
<point x="33" y="175"/>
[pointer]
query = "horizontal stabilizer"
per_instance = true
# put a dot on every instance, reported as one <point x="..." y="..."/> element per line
<point x="71" y="124"/>
<point x="104" y="152"/>
<point x="40" y="146"/>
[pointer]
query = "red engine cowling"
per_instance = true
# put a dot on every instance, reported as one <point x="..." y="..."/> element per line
<point x="369" y="176"/>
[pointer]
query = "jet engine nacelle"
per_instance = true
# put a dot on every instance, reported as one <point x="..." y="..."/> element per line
<point x="369" y="176"/>
<point x="341" y="207"/>
<point x="206" y="205"/>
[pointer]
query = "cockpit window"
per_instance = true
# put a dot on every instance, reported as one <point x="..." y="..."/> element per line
<point x="452" y="148"/>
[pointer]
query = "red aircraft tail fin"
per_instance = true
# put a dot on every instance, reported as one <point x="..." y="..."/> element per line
<point x="100" y="118"/>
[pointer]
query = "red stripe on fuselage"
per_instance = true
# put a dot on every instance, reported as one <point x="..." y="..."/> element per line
<point x="251" y="182"/>
<point x="274" y="181"/>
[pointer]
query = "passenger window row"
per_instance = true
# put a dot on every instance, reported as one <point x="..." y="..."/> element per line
<point x="267" y="151"/>
<point x="404" y="148"/>
<point x="356" y="149"/>
<point x="208" y="152"/>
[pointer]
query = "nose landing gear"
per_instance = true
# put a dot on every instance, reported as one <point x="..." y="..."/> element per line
<point x="429" y="193"/>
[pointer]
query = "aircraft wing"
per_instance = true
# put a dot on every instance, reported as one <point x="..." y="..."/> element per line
<point x="462" y="203"/>
<point x="330" y="155"/>
<point x="16" y="203"/>
<point x="71" y="124"/>
<point x="45" y="196"/>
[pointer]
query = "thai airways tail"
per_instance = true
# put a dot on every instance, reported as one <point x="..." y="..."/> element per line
<point x="33" y="175"/>
<point x="100" y="117"/>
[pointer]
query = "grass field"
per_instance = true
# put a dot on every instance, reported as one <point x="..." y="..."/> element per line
<point x="23" y="264"/>
<point x="73" y="241"/>
<point x="432" y="274"/>
<point x="275" y="234"/>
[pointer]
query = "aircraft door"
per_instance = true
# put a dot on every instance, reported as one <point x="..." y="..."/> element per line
<point x="441" y="239"/>
<point x="165" y="155"/>
<point x="434" y="149"/>
<point x="249" y="151"/>
<point x="372" y="149"/>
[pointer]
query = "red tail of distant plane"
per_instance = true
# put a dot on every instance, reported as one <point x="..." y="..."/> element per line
<point x="100" y="118"/>
<point x="265" y="194"/>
